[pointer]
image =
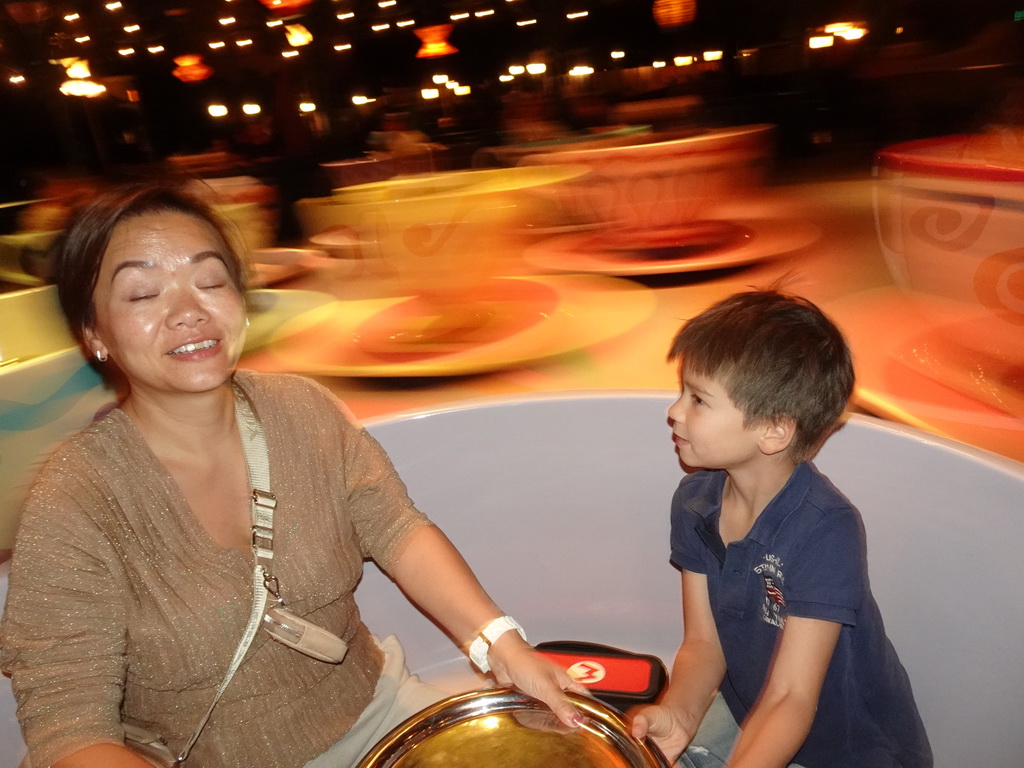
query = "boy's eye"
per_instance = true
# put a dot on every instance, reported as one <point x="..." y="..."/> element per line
<point x="696" y="399"/>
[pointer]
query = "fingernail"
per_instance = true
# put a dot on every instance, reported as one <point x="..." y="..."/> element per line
<point x="577" y="719"/>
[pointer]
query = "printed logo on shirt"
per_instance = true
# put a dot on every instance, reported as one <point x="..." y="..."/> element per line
<point x="774" y="602"/>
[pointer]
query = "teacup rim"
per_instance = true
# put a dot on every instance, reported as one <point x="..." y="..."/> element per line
<point x="571" y="156"/>
<point x="361" y="194"/>
<point x="911" y="157"/>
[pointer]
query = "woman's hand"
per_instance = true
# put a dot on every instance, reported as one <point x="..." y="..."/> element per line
<point x="515" y="662"/>
<point x="433" y="574"/>
<point x="664" y="727"/>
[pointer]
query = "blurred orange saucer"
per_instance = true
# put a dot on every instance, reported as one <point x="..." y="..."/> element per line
<point x="695" y="247"/>
<point x="416" y="329"/>
<point x="531" y="318"/>
<point x="910" y="369"/>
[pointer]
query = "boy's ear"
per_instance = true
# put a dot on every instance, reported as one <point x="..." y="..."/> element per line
<point x="776" y="436"/>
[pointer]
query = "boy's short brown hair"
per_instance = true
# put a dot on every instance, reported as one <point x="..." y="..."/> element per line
<point x="778" y="356"/>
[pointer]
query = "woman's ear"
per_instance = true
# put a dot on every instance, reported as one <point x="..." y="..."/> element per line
<point x="94" y="344"/>
<point x="776" y="436"/>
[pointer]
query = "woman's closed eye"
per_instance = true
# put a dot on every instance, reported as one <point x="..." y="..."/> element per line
<point x="211" y="274"/>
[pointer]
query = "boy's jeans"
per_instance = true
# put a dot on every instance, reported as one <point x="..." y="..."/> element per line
<point x="714" y="740"/>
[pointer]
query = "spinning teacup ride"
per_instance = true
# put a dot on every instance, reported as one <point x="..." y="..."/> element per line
<point x="560" y="503"/>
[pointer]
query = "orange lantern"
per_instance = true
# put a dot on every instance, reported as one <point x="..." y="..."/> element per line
<point x="286" y="8"/>
<point x="674" y="13"/>
<point x="435" y="41"/>
<point x="191" y="68"/>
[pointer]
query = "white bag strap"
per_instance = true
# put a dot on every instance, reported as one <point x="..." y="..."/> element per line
<point x="257" y="462"/>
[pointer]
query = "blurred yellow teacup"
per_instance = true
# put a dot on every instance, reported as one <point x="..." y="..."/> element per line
<point x="437" y="237"/>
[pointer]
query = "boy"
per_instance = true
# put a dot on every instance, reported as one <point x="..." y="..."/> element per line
<point x="777" y="611"/>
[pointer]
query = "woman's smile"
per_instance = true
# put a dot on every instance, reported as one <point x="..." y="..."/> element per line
<point x="195" y="350"/>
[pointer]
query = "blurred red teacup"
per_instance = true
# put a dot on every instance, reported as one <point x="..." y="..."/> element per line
<point x="950" y="217"/>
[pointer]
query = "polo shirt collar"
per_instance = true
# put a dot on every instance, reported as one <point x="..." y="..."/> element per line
<point x="708" y="506"/>
<point x="785" y="503"/>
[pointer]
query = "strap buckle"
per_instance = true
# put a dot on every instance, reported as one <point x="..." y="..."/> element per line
<point x="264" y="499"/>
<point x="263" y="505"/>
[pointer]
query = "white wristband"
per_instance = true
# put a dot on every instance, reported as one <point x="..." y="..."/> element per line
<point x="480" y="646"/>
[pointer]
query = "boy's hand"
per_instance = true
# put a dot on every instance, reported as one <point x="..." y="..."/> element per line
<point x="664" y="727"/>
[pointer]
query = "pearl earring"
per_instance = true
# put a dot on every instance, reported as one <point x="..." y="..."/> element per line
<point x="101" y="357"/>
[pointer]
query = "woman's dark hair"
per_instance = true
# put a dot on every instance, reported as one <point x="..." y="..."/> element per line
<point x="78" y="250"/>
<point x="778" y="357"/>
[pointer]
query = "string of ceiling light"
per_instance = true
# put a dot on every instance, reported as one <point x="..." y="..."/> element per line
<point x="127" y="29"/>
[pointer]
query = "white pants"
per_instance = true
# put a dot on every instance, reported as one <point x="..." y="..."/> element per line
<point x="398" y="696"/>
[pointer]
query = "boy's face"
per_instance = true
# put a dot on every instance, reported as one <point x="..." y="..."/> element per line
<point x="708" y="429"/>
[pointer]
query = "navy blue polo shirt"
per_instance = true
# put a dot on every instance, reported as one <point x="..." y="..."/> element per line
<point x="804" y="556"/>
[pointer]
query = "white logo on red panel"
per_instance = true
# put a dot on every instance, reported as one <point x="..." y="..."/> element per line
<point x="587" y="672"/>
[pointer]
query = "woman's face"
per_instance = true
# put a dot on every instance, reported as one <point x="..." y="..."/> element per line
<point x="166" y="310"/>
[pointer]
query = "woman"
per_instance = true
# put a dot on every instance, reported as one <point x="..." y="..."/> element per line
<point x="131" y="579"/>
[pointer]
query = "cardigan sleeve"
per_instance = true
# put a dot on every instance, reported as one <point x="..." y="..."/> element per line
<point x="376" y="502"/>
<point x="381" y="510"/>
<point x="63" y="633"/>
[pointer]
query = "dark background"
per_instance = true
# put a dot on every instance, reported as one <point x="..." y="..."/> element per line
<point x="927" y="67"/>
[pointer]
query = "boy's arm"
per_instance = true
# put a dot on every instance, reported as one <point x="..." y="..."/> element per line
<point x="782" y="717"/>
<point x="697" y="672"/>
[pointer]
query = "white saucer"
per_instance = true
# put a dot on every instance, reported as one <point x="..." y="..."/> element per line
<point x="270" y="266"/>
<point x="583" y="311"/>
<point x="901" y="375"/>
<point x="605" y="253"/>
<point x="270" y="309"/>
<point x="20" y="277"/>
<point x="553" y="230"/>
